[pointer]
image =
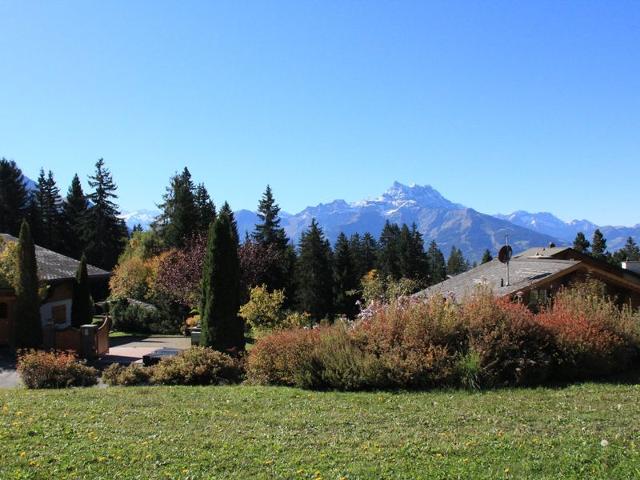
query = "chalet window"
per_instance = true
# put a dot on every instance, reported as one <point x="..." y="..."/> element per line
<point x="4" y="311"/>
<point x="59" y="314"/>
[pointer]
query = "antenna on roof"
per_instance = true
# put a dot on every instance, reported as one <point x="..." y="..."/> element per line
<point x="504" y="255"/>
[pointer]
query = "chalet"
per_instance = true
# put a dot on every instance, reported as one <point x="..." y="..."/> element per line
<point x="536" y="274"/>
<point x="56" y="273"/>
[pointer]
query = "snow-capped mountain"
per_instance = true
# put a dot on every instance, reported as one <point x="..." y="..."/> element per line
<point x="549" y="224"/>
<point x="142" y="217"/>
<point x="437" y="218"/>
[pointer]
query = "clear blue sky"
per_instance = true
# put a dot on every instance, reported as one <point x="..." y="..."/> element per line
<point x="498" y="105"/>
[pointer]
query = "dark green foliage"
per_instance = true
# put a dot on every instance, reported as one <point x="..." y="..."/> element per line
<point x="205" y="208"/>
<point x="14" y="199"/>
<point x="389" y="262"/>
<point x="51" y="220"/>
<point x="486" y="256"/>
<point x="104" y="232"/>
<point x="269" y="231"/>
<point x="437" y="267"/>
<point x="74" y="213"/>
<point x="28" y="326"/>
<point x="180" y="216"/>
<point x="314" y="273"/>
<point x="82" y="306"/>
<point x="629" y="253"/>
<point x="346" y="279"/>
<point x="456" y="263"/>
<point x="413" y="260"/>
<point x="221" y="326"/>
<point x="138" y="317"/>
<point x="233" y="225"/>
<point x="581" y="244"/>
<point x="365" y="253"/>
<point x="599" y="246"/>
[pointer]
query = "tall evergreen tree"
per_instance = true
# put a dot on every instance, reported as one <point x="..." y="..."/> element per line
<point x="314" y="275"/>
<point x="486" y="256"/>
<point x="598" y="245"/>
<point x="413" y="260"/>
<point x="14" y="198"/>
<point x="104" y="232"/>
<point x="456" y="263"/>
<point x="82" y="305"/>
<point x="49" y="203"/>
<point x="345" y="278"/>
<point x="221" y="326"/>
<point x="581" y="244"/>
<point x="629" y="253"/>
<point x="180" y="216"/>
<point x="74" y="212"/>
<point x="269" y="231"/>
<point x="389" y="251"/>
<point x="437" y="267"/>
<point x="205" y="208"/>
<point x="28" y="326"/>
<point x="233" y="225"/>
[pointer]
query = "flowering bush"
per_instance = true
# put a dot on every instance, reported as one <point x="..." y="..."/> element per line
<point x="39" y="369"/>
<point x="197" y="366"/>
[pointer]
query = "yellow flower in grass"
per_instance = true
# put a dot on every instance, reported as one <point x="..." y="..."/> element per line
<point x="23" y="454"/>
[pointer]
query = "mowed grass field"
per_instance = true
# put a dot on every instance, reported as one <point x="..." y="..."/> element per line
<point x="583" y="431"/>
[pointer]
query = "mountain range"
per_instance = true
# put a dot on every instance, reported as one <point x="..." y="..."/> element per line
<point x="437" y="218"/>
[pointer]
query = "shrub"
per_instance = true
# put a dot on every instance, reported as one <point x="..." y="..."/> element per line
<point x="134" y="316"/>
<point x="264" y="308"/>
<point x="39" y="369"/>
<point x="593" y="336"/>
<point x="276" y="359"/>
<point x="510" y="346"/>
<point x="197" y="366"/>
<point x="133" y="374"/>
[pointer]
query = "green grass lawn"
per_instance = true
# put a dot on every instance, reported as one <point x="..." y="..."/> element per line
<point x="257" y="432"/>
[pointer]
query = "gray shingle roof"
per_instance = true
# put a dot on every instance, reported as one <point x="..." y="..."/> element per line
<point x="53" y="266"/>
<point x="523" y="273"/>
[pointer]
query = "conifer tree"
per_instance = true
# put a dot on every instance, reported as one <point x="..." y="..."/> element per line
<point x="581" y="244"/>
<point x="205" y="208"/>
<point x="345" y="278"/>
<point x="226" y="210"/>
<point x="369" y="254"/>
<point x="74" y="213"/>
<point x="598" y="245"/>
<point x="456" y="263"/>
<point x="82" y="306"/>
<point x="49" y="231"/>
<point x="104" y="233"/>
<point x="180" y="217"/>
<point x="14" y="198"/>
<point x="314" y="275"/>
<point x="269" y="231"/>
<point x="437" y="267"/>
<point x="413" y="261"/>
<point x="629" y="253"/>
<point x="486" y="256"/>
<point x="221" y="327"/>
<point x="28" y="325"/>
<point x="389" y="251"/>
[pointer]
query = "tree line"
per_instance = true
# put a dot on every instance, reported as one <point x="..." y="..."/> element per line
<point x="79" y="223"/>
<point x="597" y="248"/>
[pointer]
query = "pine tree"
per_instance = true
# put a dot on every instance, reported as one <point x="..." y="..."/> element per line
<point x="233" y="225"/>
<point x="82" y="306"/>
<point x="14" y="198"/>
<point x="629" y="253"/>
<point x="180" y="217"/>
<point x="74" y="212"/>
<point x="437" y="267"/>
<point x="49" y="212"/>
<point x="486" y="256"/>
<point x="136" y="228"/>
<point x="314" y="275"/>
<point x="598" y="246"/>
<point x="581" y="244"/>
<point x="269" y="231"/>
<point x="28" y="326"/>
<point x="221" y="327"/>
<point x="104" y="233"/>
<point x="413" y="260"/>
<point x="345" y="278"/>
<point x="205" y="208"/>
<point x="456" y="263"/>
<point x="389" y="251"/>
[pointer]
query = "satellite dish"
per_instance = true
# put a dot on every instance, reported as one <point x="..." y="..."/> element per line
<point x="505" y="253"/>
